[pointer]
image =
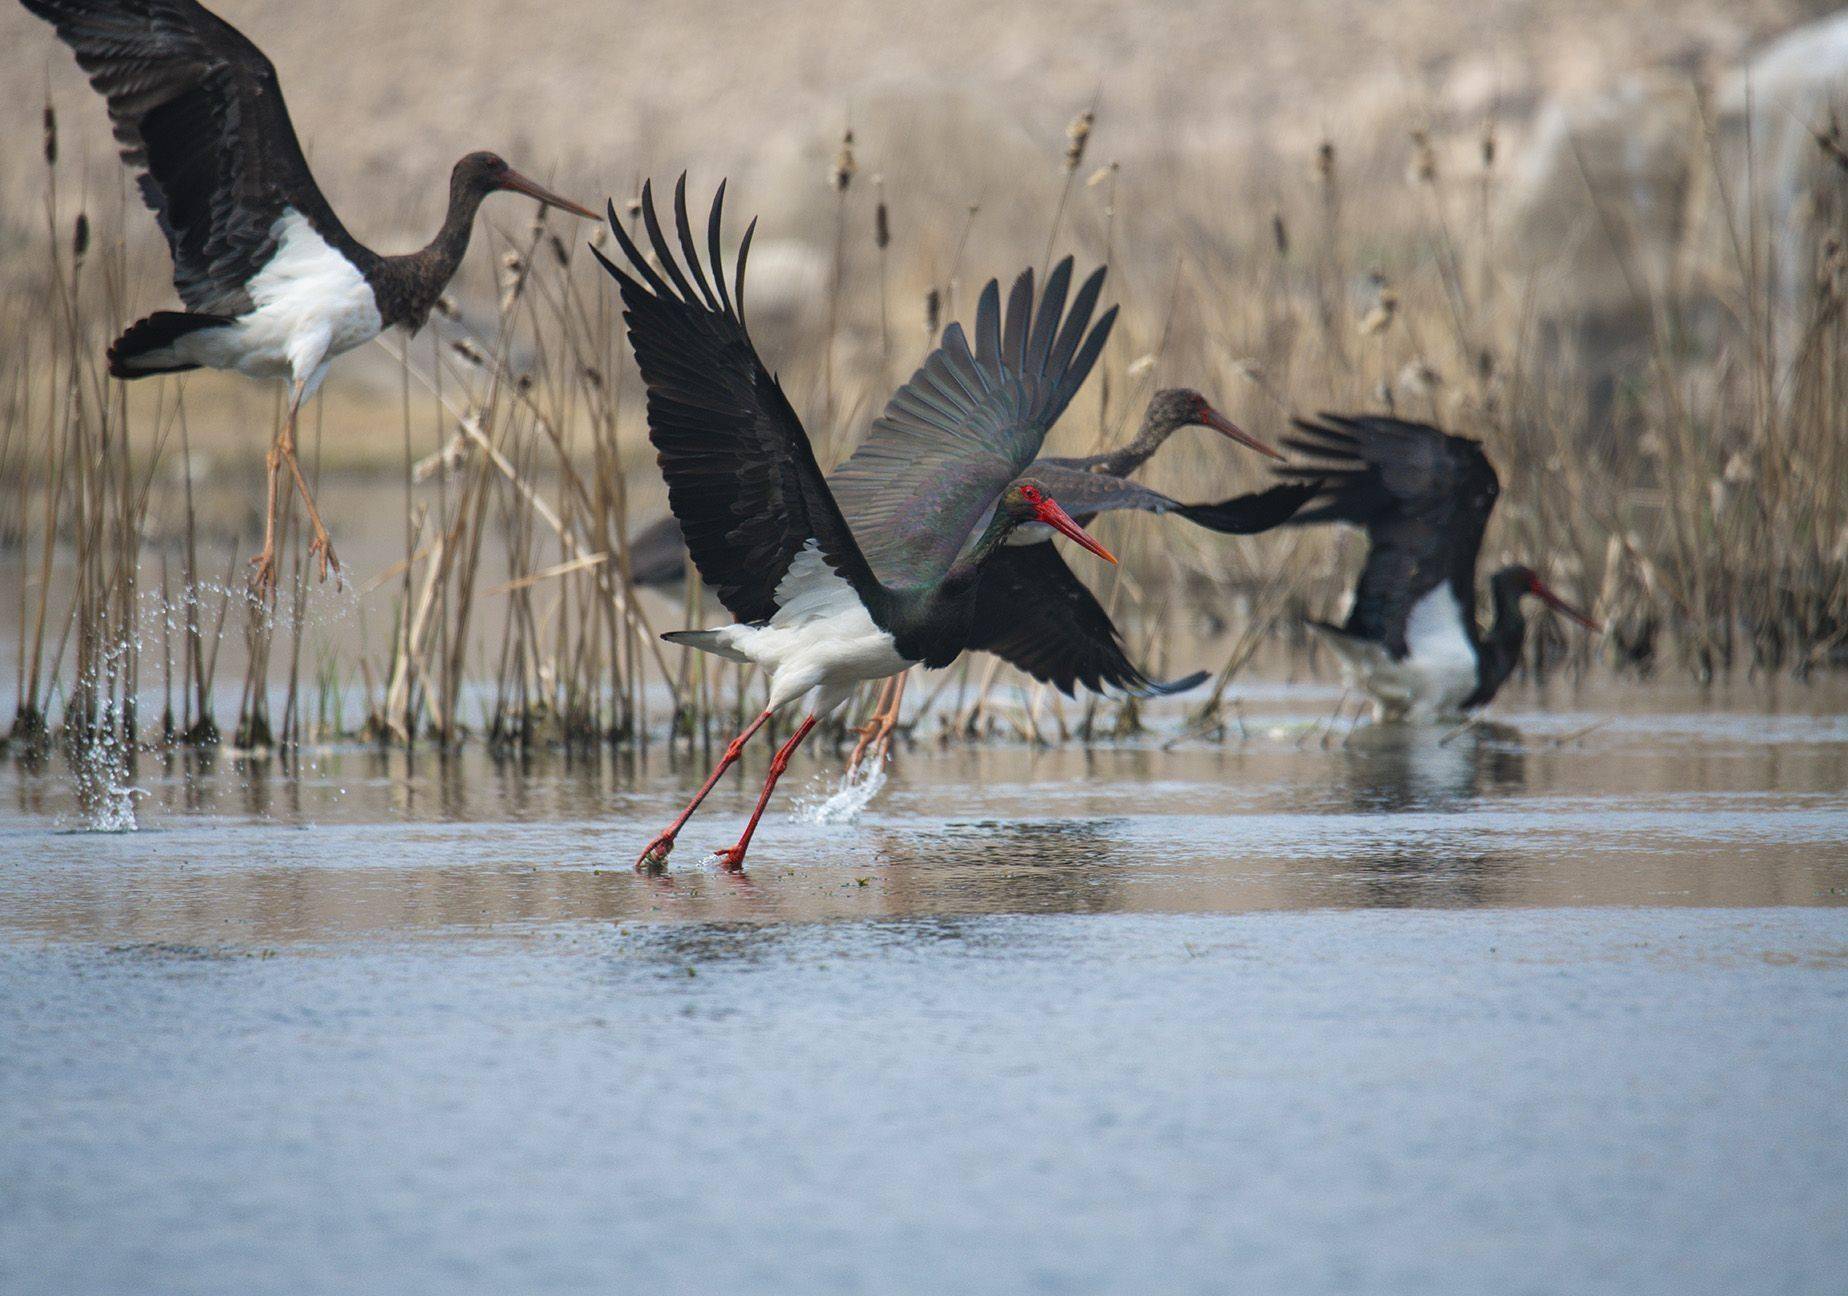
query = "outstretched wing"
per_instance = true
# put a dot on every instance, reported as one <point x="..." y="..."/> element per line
<point x="1031" y="610"/>
<point x="1423" y="497"/>
<point x="1085" y="494"/>
<point x="741" y="475"/>
<point x="970" y="420"/>
<point x="199" y="115"/>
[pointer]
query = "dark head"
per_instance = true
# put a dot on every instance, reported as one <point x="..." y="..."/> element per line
<point x="1174" y="408"/>
<point x="1025" y="500"/>
<point x="1511" y="584"/>
<point x="480" y="174"/>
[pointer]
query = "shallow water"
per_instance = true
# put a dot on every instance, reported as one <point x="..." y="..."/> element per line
<point x="1550" y="1005"/>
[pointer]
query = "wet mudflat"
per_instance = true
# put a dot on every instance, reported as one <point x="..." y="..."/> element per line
<point x="1521" y="1009"/>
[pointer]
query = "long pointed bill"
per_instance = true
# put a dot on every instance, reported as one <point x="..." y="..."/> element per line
<point x="520" y="184"/>
<point x="1210" y="417"/>
<point x="1061" y="521"/>
<point x="1559" y="605"/>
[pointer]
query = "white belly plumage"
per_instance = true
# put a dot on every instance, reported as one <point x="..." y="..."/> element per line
<point x="309" y="305"/>
<point x="1437" y="672"/>
<point x="821" y="640"/>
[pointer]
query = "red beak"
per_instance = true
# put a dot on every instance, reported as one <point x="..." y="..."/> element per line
<point x="1540" y="591"/>
<point x="1061" y="521"/>
<point x="520" y="184"/>
<point x="1210" y="417"/>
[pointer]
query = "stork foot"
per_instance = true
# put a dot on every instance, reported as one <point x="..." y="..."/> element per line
<point x="875" y="741"/>
<point x="322" y="548"/>
<point x="654" y="858"/>
<point x="731" y="859"/>
<point x="263" y="579"/>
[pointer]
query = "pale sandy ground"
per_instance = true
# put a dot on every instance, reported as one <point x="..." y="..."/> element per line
<point x="1214" y="111"/>
<point x="953" y="102"/>
<point x="385" y="96"/>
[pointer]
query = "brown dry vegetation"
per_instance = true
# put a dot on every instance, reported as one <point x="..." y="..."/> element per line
<point x="1298" y="208"/>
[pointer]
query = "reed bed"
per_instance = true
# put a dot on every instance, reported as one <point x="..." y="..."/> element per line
<point x="1702" y="513"/>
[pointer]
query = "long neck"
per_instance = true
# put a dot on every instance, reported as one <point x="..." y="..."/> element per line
<point x="408" y="286"/>
<point x="962" y="575"/>
<point x="1499" y="650"/>
<point x="1124" y="460"/>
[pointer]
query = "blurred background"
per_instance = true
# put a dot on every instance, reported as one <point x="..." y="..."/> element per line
<point x="1606" y="238"/>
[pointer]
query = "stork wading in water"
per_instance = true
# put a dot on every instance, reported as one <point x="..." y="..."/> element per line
<point x="761" y="523"/>
<point x="1411" y="639"/>
<point x="273" y="284"/>
<point x="1028" y="583"/>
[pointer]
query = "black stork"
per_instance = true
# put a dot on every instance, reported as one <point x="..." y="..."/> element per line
<point x="1087" y="486"/>
<point x="273" y="284"/>
<point x="1029" y="572"/>
<point x="1028" y="585"/>
<point x="761" y="522"/>
<point x="1411" y="639"/>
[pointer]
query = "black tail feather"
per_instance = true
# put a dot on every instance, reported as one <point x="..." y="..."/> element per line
<point x="1156" y="688"/>
<point x="1251" y="514"/>
<point x="155" y="333"/>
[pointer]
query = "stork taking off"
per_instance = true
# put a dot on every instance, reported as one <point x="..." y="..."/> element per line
<point x="1087" y="486"/>
<point x="760" y="521"/>
<point x="1424" y="498"/>
<point x="274" y="286"/>
<point x="1027" y="583"/>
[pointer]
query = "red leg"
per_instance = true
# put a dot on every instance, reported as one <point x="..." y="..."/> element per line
<point x="733" y="857"/>
<point x="658" y="849"/>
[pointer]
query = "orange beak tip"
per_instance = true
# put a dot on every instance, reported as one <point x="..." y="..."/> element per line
<point x="1226" y="427"/>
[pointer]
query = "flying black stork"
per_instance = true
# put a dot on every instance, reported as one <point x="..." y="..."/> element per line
<point x="1086" y="486"/>
<point x="761" y="522"/>
<point x="1411" y="639"/>
<point x="1029" y="574"/>
<point x="273" y="284"/>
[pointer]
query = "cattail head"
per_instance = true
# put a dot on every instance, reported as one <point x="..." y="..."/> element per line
<point x="468" y="351"/>
<point x="842" y="172"/>
<point x="1420" y="377"/>
<point x="1488" y="145"/>
<point x="593" y="376"/>
<point x="51" y="135"/>
<point x="1385" y="306"/>
<point x="513" y="278"/>
<point x="1831" y="268"/>
<point x="1829" y="139"/>
<point x="1280" y="234"/>
<point x="1077" y="134"/>
<point x="1424" y="158"/>
<point x="446" y="306"/>
<point x="933" y="308"/>
<point x="80" y="239"/>
<point x="1325" y="161"/>
<point x="560" y="253"/>
<point x="882" y="228"/>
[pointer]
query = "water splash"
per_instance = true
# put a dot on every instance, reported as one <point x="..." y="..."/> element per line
<point x="845" y="802"/>
<point x="105" y="797"/>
